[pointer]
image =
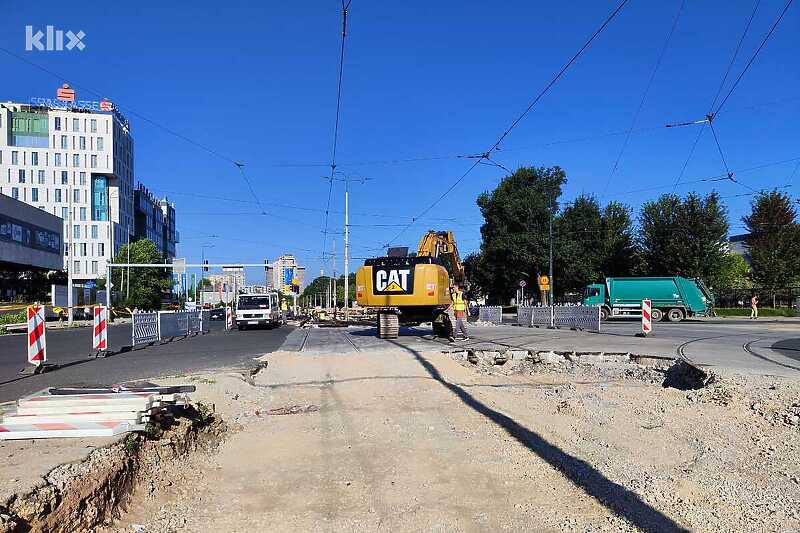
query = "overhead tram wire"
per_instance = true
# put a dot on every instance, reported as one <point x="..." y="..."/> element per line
<point x="716" y="96"/>
<point x="754" y="56"/>
<point x="345" y="7"/>
<point x="649" y="84"/>
<point x="536" y="99"/>
<point x="144" y="118"/>
<point x="712" y="114"/>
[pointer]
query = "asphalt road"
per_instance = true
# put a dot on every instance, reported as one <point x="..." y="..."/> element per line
<point x="70" y="350"/>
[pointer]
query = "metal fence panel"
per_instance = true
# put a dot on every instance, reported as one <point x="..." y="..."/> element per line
<point x="524" y="315"/>
<point x="570" y="316"/>
<point x="493" y="314"/>
<point x="205" y="321"/>
<point x="173" y="324"/>
<point x="193" y="321"/>
<point x="144" y="328"/>
<point x="540" y="316"/>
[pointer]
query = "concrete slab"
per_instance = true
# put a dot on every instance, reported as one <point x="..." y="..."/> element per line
<point x="745" y="347"/>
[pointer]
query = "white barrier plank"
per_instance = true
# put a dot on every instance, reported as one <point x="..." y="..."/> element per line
<point x="132" y="417"/>
<point x="81" y="429"/>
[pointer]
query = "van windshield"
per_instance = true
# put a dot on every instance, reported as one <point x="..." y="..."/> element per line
<point x="254" y="302"/>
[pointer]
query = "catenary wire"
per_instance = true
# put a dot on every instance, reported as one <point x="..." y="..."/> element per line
<point x="517" y="120"/>
<point x="649" y="84"/>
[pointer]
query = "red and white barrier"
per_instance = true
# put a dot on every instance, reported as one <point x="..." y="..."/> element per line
<point x="100" y="328"/>
<point x="37" y="345"/>
<point x="228" y="318"/>
<point x="647" y="317"/>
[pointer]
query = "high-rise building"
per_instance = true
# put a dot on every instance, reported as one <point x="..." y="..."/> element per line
<point x="74" y="159"/>
<point x="154" y="219"/>
<point x="282" y="271"/>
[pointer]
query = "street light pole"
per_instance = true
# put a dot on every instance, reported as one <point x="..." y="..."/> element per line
<point x="70" y="255"/>
<point x="552" y="302"/>
<point x="346" y="253"/>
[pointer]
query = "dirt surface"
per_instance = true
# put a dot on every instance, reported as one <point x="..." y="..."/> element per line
<point x="408" y="441"/>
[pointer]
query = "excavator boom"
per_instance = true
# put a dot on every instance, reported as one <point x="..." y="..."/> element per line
<point x="442" y="246"/>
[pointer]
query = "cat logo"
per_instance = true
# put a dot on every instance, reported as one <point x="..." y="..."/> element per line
<point x="393" y="280"/>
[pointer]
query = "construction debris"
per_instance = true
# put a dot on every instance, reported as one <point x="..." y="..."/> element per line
<point x="684" y="375"/>
<point x="46" y="415"/>
<point x="294" y="410"/>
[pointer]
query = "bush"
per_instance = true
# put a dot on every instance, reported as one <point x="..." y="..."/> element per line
<point x="13" y="318"/>
<point x="762" y="311"/>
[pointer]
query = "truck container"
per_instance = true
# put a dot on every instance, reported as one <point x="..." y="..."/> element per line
<point x="673" y="298"/>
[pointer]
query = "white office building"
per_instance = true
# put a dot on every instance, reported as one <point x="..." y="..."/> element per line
<point x="73" y="160"/>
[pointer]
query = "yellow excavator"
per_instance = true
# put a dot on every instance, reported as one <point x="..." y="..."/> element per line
<point x="412" y="288"/>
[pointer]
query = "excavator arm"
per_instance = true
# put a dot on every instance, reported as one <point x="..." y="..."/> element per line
<point x="442" y="245"/>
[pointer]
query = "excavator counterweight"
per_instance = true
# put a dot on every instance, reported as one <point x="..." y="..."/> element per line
<point x="412" y="289"/>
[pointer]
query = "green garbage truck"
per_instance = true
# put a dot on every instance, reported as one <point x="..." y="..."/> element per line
<point x="674" y="297"/>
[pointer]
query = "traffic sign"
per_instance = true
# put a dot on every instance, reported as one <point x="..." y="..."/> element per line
<point x="544" y="283"/>
<point x="179" y="266"/>
<point x="522" y="283"/>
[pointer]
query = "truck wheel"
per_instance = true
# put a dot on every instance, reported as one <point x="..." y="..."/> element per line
<point x="603" y="313"/>
<point x="675" y="315"/>
<point x="388" y="326"/>
<point x="241" y="326"/>
<point x="656" y="315"/>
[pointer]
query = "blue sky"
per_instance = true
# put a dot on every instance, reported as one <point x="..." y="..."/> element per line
<point x="256" y="82"/>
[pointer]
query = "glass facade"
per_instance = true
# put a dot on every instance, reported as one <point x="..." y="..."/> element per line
<point x="29" y="129"/>
<point x="99" y="198"/>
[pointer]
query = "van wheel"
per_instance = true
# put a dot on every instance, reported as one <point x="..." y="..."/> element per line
<point x="656" y="315"/>
<point x="675" y="315"/>
<point x="603" y="313"/>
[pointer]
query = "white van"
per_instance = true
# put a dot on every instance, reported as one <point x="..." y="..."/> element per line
<point x="258" y="309"/>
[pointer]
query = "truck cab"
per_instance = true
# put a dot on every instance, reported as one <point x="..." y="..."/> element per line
<point x="258" y="309"/>
<point x="594" y="294"/>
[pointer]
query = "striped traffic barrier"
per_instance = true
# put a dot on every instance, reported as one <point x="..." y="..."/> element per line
<point x="37" y="341"/>
<point x="647" y="318"/>
<point x="228" y="318"/>
<point x="100" y="329"/>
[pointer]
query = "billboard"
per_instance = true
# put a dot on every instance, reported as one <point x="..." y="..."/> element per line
<point x="288" y="276"/>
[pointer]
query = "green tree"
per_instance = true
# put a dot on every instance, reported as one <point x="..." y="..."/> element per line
<point x="773" y="241"/>
<point x="592" y="243"/>
<point x="578" y="253"/>
<point x="684" y="237"/>
<point x="620" y="255"/>
<point x="146" y="284"/>
<point x="734" y="273"/>
<point x="515" y="231"/>
<point x="319" y="286"/>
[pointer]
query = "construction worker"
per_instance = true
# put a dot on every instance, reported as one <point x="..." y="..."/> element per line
<point x="460" y="311"/>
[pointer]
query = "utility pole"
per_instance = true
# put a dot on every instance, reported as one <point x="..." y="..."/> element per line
<point x="346" y="252"/>
<point x="71" y="254"/>
<point x="333" y="260"/>
<point x="552" y="302"/>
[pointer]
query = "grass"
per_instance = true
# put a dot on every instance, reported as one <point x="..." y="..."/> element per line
<point x="762" y="311"/>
